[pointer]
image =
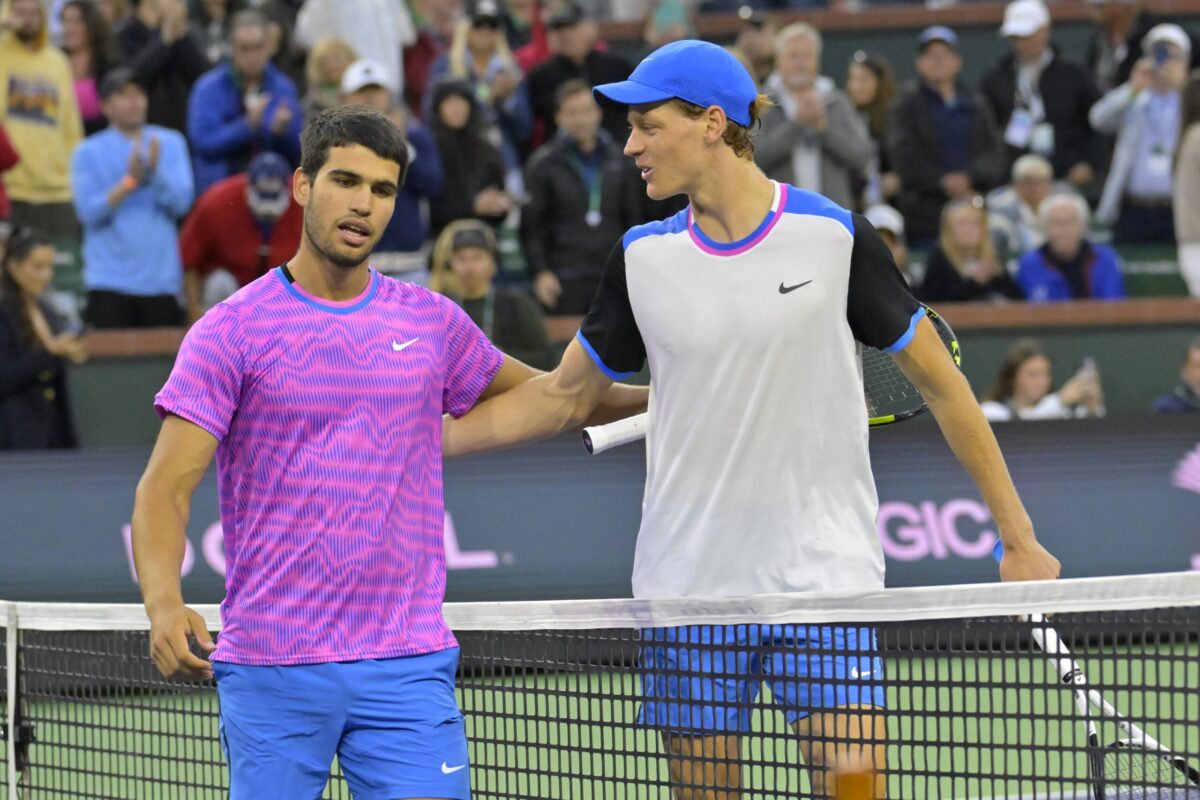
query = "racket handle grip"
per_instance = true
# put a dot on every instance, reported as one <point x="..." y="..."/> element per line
<point x="599" y="438"/>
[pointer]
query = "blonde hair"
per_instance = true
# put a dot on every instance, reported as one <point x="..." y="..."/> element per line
<point x="737" y="136"/>
<point x="441" y="277"/>
<point x="324" y="48"/>
<point x="459" y="56"/>
<point x="986" y="250"/>
<point x="795" y="31"/>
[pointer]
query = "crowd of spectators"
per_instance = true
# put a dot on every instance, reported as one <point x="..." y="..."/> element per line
<point x="156" y="139"/>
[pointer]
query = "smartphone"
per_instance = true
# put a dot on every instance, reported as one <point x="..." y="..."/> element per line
<point x="1161" y="53"/>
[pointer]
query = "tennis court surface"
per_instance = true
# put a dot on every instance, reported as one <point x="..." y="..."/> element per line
<point x="552" y="692"/>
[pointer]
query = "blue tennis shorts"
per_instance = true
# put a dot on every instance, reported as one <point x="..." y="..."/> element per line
<point x="394" y="725"/>
<point x="702" y="679"/>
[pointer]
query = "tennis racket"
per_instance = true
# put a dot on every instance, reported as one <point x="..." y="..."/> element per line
<point x="1133" y="767"/>
<point x="891" y="397"/>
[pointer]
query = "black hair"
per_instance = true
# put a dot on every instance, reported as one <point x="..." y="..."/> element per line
<point x="351" y="125"/>
<point x="21" y="243"/>
<point x="568" y="90"/>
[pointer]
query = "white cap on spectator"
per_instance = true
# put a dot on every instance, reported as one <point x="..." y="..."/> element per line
<point x="886" y="218"/>
<point x="1024" y="18"/>
<point x="364" y="73"/>
<point x="1169" y="33"/>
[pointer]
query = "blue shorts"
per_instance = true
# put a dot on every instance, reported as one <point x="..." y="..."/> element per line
<point x="394" y="725"/>
<point x="702" y="679"/>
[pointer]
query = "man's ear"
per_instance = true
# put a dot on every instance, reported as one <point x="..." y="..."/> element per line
<point x="301" y="187"/>
<point x="715" y="123"/>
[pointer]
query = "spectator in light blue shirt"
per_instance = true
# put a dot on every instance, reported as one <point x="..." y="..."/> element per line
<point x="1144" y="113"/>
<point x="132" y="183"/>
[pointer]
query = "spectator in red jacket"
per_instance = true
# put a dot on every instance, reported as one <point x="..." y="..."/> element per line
<point x="244" y="225"/>
<point x="8" y="159"/>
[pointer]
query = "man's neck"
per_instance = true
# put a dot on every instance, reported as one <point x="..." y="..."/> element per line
<point x="733" y="198"/>
<point x="477" y="293"/>
<point x="148" y="15"/>
<point x="130" y="131"/>
<point x="585" y="146"/>
<point x="320" y="278"/>
<point x="945" y="89"/>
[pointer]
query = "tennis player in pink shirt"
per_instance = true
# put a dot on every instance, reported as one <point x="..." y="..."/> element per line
<point x="320" y="388"/>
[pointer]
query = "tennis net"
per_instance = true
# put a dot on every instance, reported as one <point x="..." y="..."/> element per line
<point x="581" y="700"/>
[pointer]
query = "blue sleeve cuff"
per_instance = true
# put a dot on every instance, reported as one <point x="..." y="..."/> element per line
<point x="907" y="336"/>
<point x="591" y="351"/>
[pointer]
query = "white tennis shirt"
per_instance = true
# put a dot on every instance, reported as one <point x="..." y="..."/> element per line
<point x="758" y="474"/>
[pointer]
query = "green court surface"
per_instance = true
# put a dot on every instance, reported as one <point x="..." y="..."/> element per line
<point x="572" y="736"/>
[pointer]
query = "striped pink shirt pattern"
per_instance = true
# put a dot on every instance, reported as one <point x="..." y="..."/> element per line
<point x="329" y="466"/>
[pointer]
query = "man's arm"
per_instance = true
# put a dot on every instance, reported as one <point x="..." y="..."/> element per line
<point x="524" y="405"/>
<point x="160" y="515"/>
<point x="619" y="401"/>
<point x="928" y="365"/>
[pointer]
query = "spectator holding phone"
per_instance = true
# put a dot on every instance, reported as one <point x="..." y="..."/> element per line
<point x="1144" y="112"/>
<point x="1022" y="388"/>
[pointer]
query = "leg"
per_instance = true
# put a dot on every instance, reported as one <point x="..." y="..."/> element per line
<point x="159" y="311"/>
<point x="108" y="310"/>
<point x="847" y="737"/>
<point x="279" y="729"/>
<point x="405" y="738"/>
<point x="703" y="767"/>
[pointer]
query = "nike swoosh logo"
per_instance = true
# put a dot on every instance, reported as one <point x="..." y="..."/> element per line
<point x="448" y="770"/>
<point x="855" y="674"/>
<point x="398" y="347"/>
<point x="785" y="289"/>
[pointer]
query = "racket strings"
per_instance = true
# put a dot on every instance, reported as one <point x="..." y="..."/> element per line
<point x="1130" y="773"/>
<point x="887" y="390"/>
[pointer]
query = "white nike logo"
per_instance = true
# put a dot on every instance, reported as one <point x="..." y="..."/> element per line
<point x="855" y="674"/>
<point x="445" y="769"/>
<point x="398" y="347"/>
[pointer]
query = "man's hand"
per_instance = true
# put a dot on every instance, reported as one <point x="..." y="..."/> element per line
<point x="957" y="184"/>
<point x="547" y="289"/>
<point x="256" y="106"/>
<point x="810" y="108"/>
<point x="1142" y="75"/>
<point x="492" y="202"/>
<point x="503" y="85"/>
<point x="1029" y="562"/>
<point x="1080" y="175"/>
<point x="169" y="633"/>
<point x="281" y="119"/>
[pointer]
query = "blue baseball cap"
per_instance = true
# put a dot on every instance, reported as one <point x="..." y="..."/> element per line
<point x="937" y="33"/>
<point x="698" y="72"/>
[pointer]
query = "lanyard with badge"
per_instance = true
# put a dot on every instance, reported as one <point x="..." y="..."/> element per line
<point x="595" y="188"/>
<point x="1027" y="127"/>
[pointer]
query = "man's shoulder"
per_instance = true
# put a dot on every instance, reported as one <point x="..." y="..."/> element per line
<point x="676" y="223"/>
<point x="224" y="192"/>
<point x="546" y="155"/>
<point x="214" y="79"/>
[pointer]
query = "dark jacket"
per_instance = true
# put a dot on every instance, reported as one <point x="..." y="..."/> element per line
<point x="167" y="71"/>
<point x="597" y="68"/>
<point x="470" y="162"/>
<point x="1181" y="401"/>
<point x="34" y="414"/>
<point x="945" y="284"/>
<point x="1068" y="94"/>
<point x="555" y="234"/>
<point x="915" y="152"/>
<point x="515" y="324"/>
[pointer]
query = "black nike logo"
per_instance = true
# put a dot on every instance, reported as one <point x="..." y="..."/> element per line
<point x="785" y="289"/>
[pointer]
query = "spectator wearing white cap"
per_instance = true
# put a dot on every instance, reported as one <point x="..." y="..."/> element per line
<point x="1144" y="112"/>
<point x="942" y="141"/>
<point x="403" y="248"/>
<point x="1041" y="101"/>
<point x="1187" y="186"/>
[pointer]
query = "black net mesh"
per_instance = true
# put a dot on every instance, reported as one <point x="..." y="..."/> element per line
<point x="970" y="709"/>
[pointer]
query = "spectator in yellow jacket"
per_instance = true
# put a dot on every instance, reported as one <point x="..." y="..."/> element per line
<point x="40" y="114"/>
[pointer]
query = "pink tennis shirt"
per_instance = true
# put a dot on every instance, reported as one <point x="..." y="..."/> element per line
<point x="329" y="467"/>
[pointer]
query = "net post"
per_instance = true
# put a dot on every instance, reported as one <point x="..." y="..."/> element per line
<point x="10" y="676"/>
